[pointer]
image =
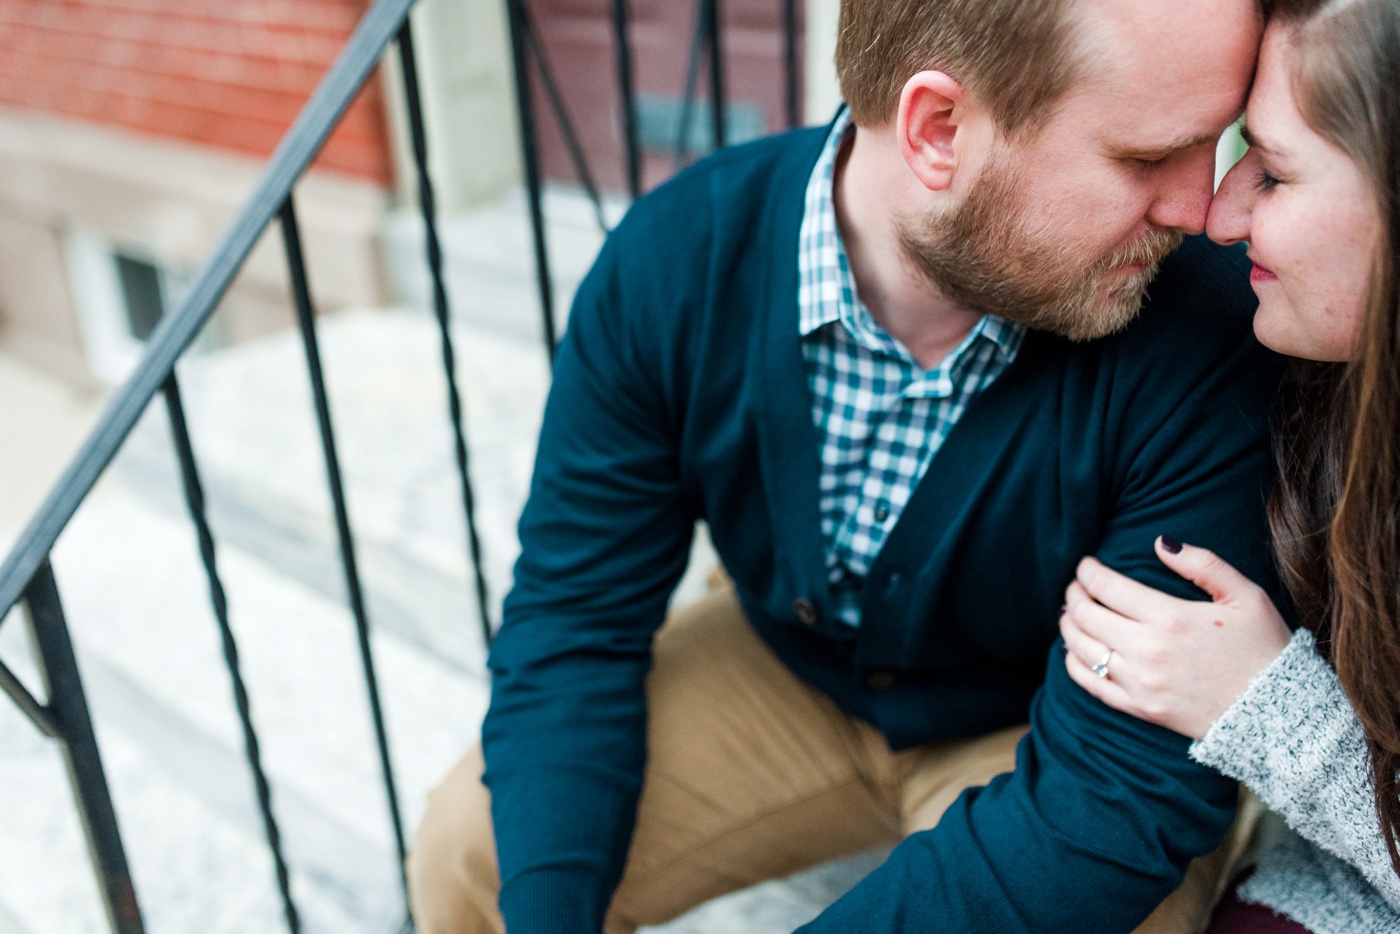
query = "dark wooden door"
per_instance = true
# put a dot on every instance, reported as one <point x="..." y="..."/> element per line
<point x="578" y="38"/>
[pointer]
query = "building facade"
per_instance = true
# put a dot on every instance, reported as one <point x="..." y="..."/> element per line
<point x="131" y="132"/>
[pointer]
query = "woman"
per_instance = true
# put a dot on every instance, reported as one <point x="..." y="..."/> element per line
<point x="1310" y="721"/>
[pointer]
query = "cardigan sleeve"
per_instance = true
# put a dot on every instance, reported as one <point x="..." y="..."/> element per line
<point x="1088" y="834"/>
<point x="604" y="538"/>
<point x="1295" y="740"/>
<point x="1104" y="812"/>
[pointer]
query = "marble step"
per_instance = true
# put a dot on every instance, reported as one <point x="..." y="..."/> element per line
<point x="162" y="703"/>
<point x="489" y="258"/>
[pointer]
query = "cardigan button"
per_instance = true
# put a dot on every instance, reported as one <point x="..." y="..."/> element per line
<point x="893" y="583"/>
<point x="881" y="680"/>
<point x="806" y="612"/>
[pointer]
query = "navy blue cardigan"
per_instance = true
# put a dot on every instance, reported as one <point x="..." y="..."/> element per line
<point x="679" y="395"/>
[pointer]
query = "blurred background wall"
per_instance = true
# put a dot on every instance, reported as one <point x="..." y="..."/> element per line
<point x="132" y="130"/>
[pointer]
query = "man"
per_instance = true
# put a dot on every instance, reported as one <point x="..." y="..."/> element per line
<point x="891" y="365"/>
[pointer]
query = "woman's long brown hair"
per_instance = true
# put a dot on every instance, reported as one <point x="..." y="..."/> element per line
<point x="1335" y="515"/>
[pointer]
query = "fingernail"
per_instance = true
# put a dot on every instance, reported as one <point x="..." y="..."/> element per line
<point x="1064" y="650"/>
<point x="1170" y="545"/>
<point x="1064" y="607"/>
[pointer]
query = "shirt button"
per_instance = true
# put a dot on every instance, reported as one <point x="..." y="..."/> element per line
<point x="806" y="612"/>
<point x="881" y="680"/>
<point x="882" y="510"/>
<point x="893" y="583"/>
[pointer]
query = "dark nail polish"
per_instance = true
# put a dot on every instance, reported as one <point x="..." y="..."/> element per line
<point x="1170" y="545"/>
<point x="1064" y="650"/>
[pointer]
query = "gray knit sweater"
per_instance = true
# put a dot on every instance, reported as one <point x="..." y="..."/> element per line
<point x="1294" y="740"/>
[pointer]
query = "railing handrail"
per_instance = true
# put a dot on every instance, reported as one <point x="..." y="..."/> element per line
<point x="379" y="27"/>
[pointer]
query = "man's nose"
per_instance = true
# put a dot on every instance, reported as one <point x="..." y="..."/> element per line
<point x="1184" y="190"/>
<point x="1230" y="211"/>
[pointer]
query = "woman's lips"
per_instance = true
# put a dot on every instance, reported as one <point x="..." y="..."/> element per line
<point x="1260" y="274"/>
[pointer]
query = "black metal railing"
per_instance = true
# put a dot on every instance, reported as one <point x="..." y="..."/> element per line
<point x="27" y="578"/>
<point x="707" y="54"/>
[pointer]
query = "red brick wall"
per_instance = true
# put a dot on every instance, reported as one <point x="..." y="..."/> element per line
<point x="226" y="73"/>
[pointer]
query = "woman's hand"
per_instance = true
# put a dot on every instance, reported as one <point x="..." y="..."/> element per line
<point x="1177" y="663"/>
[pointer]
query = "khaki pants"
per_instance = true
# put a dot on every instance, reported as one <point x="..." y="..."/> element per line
<point x="751" y="775"/>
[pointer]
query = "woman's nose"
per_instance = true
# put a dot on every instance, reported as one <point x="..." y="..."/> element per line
<point x="1230" y="210"/>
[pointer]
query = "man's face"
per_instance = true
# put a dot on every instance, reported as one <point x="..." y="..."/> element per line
<point x="1063" y="230"/>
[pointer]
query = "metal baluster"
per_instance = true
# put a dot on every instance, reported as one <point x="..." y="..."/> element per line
<point x="356" y="61"/>
<point x="692" y="84"/>
<point x="530" y="153"/>
<point x="306" y="320"/>
<point x="563" y="120"/>
<point x="38" y="714"/>
<point x="628" y="95"/>
<point x="68" y="710"/>
<point x="794" y="118"/>
<point x="428" y="204"/>
<point x="194" y="499"/>
<point x="717" y="88"/>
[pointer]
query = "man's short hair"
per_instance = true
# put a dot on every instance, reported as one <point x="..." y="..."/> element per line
<point x="1016" y="56"/>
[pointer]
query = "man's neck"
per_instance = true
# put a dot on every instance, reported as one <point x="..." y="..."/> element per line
<point x="898" y="296"/>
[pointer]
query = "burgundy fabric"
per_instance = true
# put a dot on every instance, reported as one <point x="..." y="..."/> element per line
<point x="1233" y="916"/>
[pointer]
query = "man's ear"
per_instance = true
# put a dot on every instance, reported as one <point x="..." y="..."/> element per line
<point x="932" y="110"/>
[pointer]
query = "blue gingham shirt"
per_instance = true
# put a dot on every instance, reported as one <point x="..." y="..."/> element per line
<point x="880" y="416"/>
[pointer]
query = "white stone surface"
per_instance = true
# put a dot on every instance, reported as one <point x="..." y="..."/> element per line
<point x="43" y="421"/>
<point x="490" y="258"/>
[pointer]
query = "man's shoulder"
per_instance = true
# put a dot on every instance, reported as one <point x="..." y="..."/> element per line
<point x="688" y="248"/>
<point x="1202" y="275"/>
<point x="1191" y="355"/>
<point x="717" y="224"/>
<point x="728" y="187"/>
<point x="1200" y="298"/>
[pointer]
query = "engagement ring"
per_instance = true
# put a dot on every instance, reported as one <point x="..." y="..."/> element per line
<point x="1101" y="669"/>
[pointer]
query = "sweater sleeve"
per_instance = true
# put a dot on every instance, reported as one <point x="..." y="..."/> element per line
<point x="604" y="538"/>
<point x="1295" y="740"/>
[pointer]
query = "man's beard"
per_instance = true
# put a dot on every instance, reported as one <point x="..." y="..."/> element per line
<point x="989" y="256"/>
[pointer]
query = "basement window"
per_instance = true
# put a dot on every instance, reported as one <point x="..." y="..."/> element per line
<point x="143" y="294"/>
<point x="121" y="295"/>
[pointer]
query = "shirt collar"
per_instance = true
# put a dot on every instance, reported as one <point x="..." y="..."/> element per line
<point x="1006" y="335"/>
<point x="822" y="255"/>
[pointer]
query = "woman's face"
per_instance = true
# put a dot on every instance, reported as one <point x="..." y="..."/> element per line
<point x="1309" y="218"/>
